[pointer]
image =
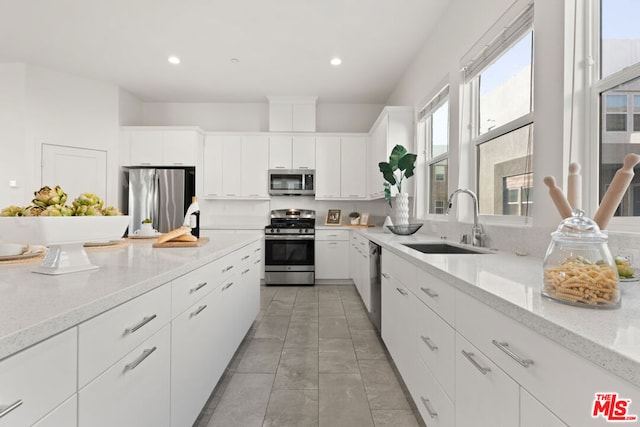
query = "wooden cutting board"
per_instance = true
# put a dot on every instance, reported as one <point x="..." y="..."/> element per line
<point x="201" y="241"/>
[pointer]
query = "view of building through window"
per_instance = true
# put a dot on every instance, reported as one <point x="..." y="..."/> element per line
<point x="505" y="178"/>
<point x="620" y="103"/>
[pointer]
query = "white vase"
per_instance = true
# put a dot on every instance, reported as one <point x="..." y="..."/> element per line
<point x="402" y="209"/>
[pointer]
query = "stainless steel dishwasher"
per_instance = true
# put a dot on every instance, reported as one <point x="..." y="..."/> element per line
<point x="375" y="283"/>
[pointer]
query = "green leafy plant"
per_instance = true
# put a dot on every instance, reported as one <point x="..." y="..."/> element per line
<point x="400" y="166"/>
<point x="147" y="221"/>
<point x="354" y="215"/>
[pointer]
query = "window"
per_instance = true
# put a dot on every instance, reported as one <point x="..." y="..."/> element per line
<point x="433" y="137"/>
<point x="618" y="96"/>
<point x="500" y="84"/>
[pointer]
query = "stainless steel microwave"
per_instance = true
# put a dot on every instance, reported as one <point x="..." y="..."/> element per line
<point x="292" y="182"/>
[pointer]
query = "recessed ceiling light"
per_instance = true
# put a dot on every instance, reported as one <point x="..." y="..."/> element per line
<point x="336" y="61"/>
<point x="235" y="60"/>
<point x="174" y="60"/>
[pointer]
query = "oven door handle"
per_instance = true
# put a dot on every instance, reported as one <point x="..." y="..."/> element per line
<point x="289" y="237"/>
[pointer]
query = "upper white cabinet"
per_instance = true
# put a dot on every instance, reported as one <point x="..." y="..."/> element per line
<point x="292" y="114"/>
<point x="156" y="146"/>
<point x="292" y="152"/>
<point x="393" y="126"/>
<point x="340" y="171"/>
<point x="235" y="166"/>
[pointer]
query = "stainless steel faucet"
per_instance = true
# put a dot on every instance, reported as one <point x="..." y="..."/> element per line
<point x="476" y="231"/>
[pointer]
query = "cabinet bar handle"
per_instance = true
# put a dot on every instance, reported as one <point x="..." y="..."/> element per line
<point x="505" y="348"/>
<point x="227" y="268"/>
<point x="385" y="275"/>
<point x="332" y="235"/>
<point x="139" y="325"/>
<point x="429" y="292"/>
<point x="245" y="272"/>
<point x="131" y="366"/>
<point x="258" y="261"/>
<point x="245" y="257"/>
<point x="402" y="292"/>
<point x="197" y="288"/>
<point x="198" y="311"/>
<point x="257" y="250"/>
<point x="476" y="364"/>
<point x="5" y="410"/>
<point x="430" y="410"/>
<point x="429" y="344"/>
<point x="227" y="286"/>
<point x="332" y="243"/>
<point x="279" y="167"/>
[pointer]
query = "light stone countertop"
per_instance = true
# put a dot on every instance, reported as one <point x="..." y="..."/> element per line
<point x="34" y="306"/>
<point x="511" y="285"/>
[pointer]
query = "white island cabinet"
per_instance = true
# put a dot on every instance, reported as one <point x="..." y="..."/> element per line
<point x="133" y="348"/>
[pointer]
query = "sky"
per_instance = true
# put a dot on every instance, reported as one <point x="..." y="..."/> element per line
<point x="620" y="19"/>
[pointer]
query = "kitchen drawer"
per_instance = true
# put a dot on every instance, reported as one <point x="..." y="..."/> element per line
<point x="438" y="295"/>
<point x="187" y="289"/>
<point x="332" y="234"/>
<point x="432" y="402"/>
<point x="401" y="270"/>
<point x="134" y="391"/>
<point x="64" y="415"/>
<point x="534" y="414"/>
<point x="108" y="337"/>
<point x="562" y="380"/>
<point x="38" y="379"/>
<point x="435" y="343"/>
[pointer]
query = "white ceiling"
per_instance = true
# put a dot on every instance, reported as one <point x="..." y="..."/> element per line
<point x="284" y="46"/>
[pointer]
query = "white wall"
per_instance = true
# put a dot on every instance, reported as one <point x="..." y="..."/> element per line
<point x="47" y="106"/>
<point x="13" y="153"/>
<point x="254" y="117"/>
<point x="131" y="109"/>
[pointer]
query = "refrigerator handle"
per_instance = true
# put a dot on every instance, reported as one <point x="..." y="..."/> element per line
<point x="155" y="215"/>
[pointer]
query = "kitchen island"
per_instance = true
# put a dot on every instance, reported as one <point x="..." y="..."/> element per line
<point x="185" y="305"/>
<point x="437" y="307"/>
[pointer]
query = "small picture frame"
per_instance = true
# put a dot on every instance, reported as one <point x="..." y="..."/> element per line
<point x="334" y="217"/>
<point x="364" y="218"/>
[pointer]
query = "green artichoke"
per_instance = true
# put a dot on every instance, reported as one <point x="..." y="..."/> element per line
<point x="88" y="199"/>
<point x="33" y="211"/>
<point x="12" y="211"/>
<point x="47" y="196"/>
<point x="85" y="210"/>
<point x="57" y="210"/>
<point x="111" y="211"/>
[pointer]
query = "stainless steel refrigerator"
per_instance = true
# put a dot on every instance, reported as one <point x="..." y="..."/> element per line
<point x="161" y="194"/>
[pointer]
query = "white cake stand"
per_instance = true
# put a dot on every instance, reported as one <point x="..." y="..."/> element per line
<point x="65" y="237"/>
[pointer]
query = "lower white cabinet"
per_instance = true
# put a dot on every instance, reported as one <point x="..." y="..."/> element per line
<point x="64" y="415"/>
<point x="534" y="414"/>
<point x="485" y="395"/>
<point x="332" y="254"/>
<point x="38" y="379"/>
<point x="359" y="268"/>
<point x="134" y="391"/>
<point x="432" y="402"/>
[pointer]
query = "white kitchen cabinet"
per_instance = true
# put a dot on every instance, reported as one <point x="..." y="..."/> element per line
<point x="332" y="254"/>
<point x="292" y="152"/>
<point x="485" y="395"/>
<point x="297" y="114"/>
<point x="64" y="415"/>
<point x="359" y="267"/>
<point x="38" y="379"/>
<point x="196" y="365"/>
<point x="435" y="407"/>
<point x="393" y="126"/>
<point x="235" y="166"/>
<point x="327" y="167"/>
<point x="158" y="146"/>
<point x="212" y="166"/>
<point x="534" y="414"/>
<point x="136" y="387"/>
<point x="253" y="170"/>
<point x="352" y="169"/>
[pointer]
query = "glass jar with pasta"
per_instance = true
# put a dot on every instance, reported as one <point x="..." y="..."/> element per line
<point x="578" y="267"/>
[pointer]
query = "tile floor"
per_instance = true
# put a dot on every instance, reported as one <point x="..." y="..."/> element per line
<point x="311" y="358"/>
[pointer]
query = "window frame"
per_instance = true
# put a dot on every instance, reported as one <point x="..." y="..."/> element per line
<point x="597" y="86"/>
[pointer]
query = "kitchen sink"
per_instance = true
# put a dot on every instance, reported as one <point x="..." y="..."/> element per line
<point x="441" y="248"/>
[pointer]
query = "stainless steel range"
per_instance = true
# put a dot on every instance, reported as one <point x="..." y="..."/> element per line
<point x="289" y="247"/>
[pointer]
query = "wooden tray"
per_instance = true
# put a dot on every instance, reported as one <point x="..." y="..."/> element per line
<point x="201" y="241"/>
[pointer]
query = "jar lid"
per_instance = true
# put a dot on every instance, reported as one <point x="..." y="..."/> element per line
<point x="579" y="226"/>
